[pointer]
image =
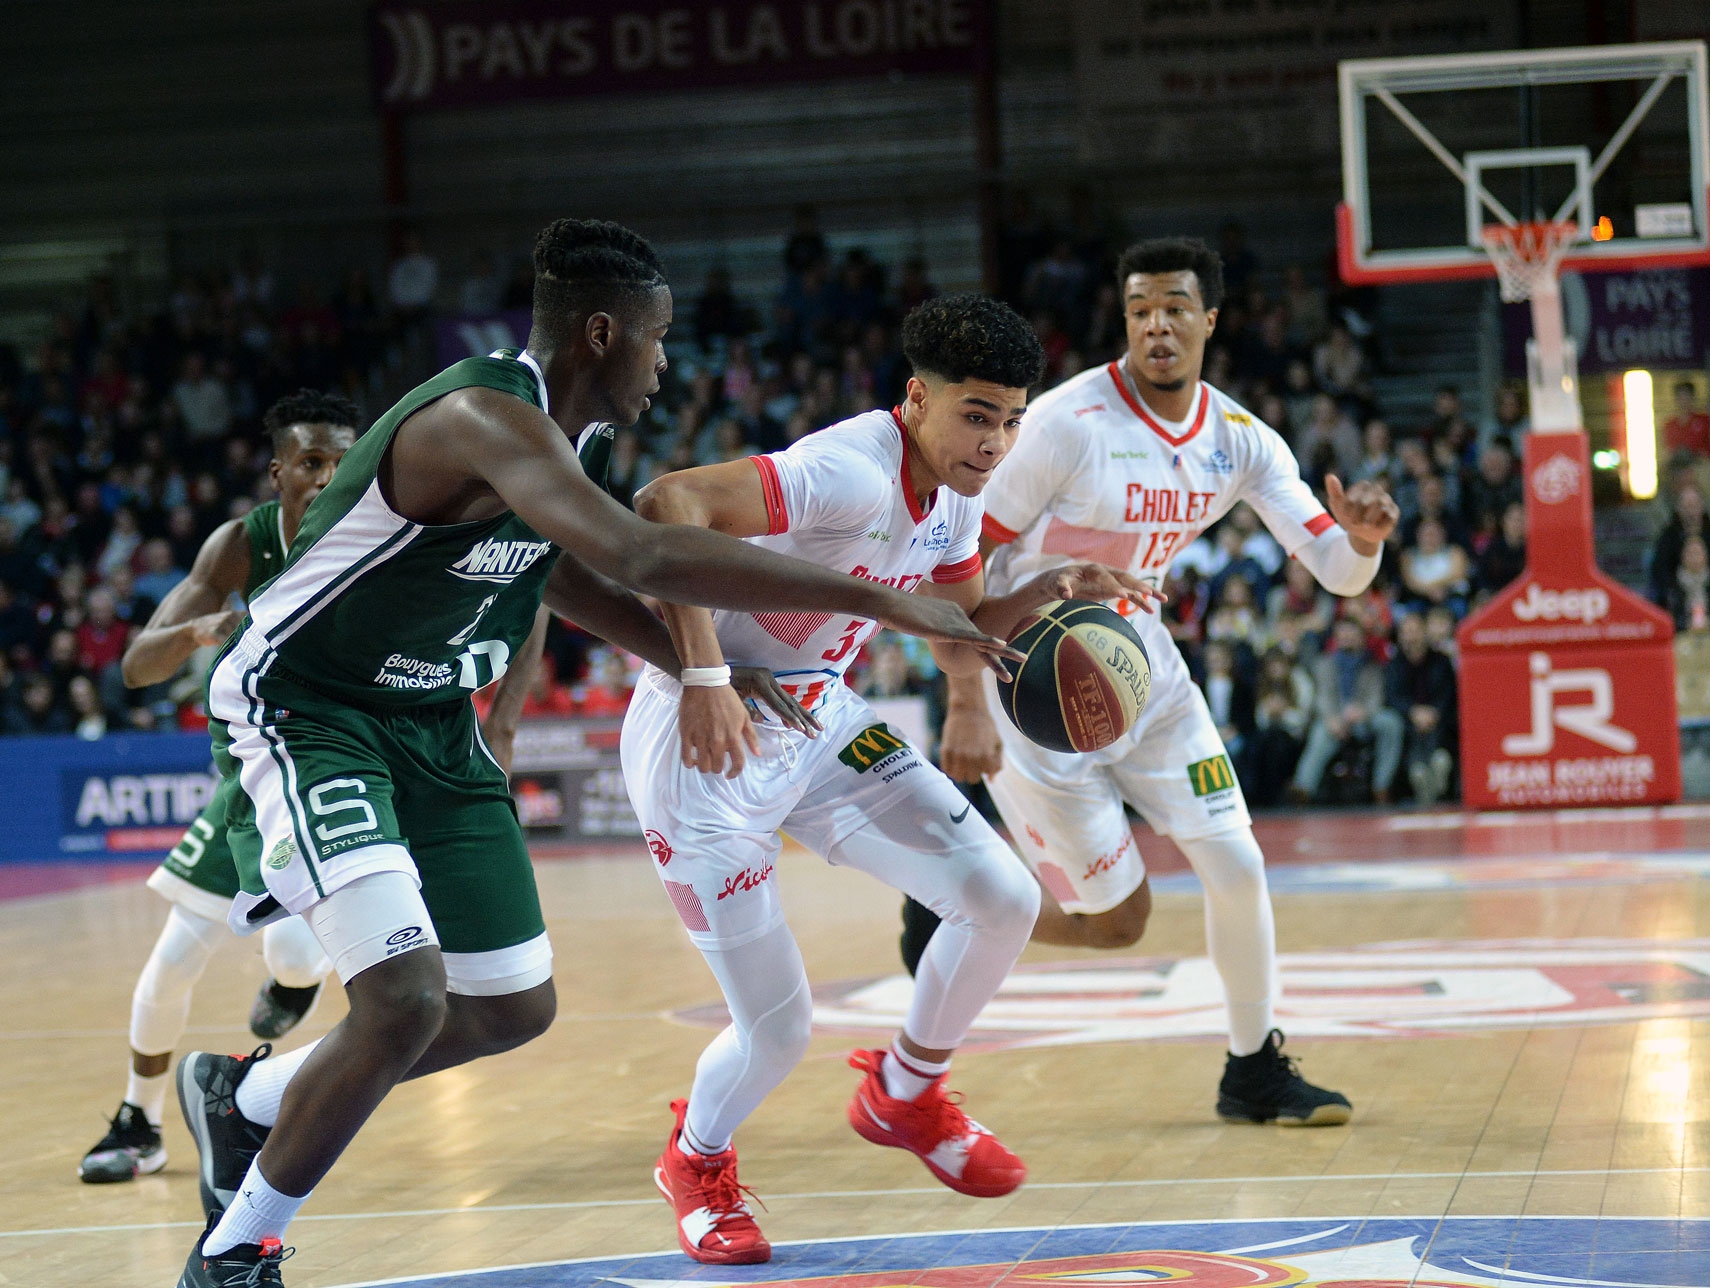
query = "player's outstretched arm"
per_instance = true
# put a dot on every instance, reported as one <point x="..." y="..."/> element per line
<point x="193" y="614"/>
<point x="527" y="460"/>
<point x="1346" y="557"/>
<point x="499" y="729"/>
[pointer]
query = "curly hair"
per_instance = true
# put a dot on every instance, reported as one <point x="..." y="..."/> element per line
<point x="584" y="266"/>
<point x="308" y="407"/>
<point x="973" y="337"/>
<point x="1175" y="255"/>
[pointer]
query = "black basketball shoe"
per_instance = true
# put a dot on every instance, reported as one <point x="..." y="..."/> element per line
<point x="1266" y="1087"/>
<point x="278" y="1009"/>
<point x="248" y="1265"/>
<point x="226" y="1141"/>
<point x="919" y="923"/>
<point x="130" y="1148"/>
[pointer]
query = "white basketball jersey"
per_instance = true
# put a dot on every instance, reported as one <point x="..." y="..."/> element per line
<point x="1097" y="476"/>
<point x="842" y="498"/>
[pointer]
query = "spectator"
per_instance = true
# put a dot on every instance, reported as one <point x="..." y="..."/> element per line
<point x="1440" y="631"/>
<point x="1306" y="312"/>
<point x="1448" y="424"/>
<point x="1229" y="697"/>
<point x="1688" y="520"/>
<point x="89" y="720"/>
<point x="101" y="637"/>
<point x="1504" y="558"/>
<point x="39" y="709"/>
<point x="1687" y="432"/>
<point x="1420" y="688"/>
<point x="806" y="247"/>
<point x="889" y="674"/>
<point x="1434" y="498"/>
<point x="1510" y="420"/>
<point x="915" y="287"/>
<point x="1433" y="570"/>
<point x="1329" y="441"/>
<point x="1059" y="284"/>
<point x="1349" y="708"/>
<point x="122" y="543"/>
<point x="160" y="572"/>
<point x="130" y="607"/>
<point x="1491" y="490"/>
<point x="1240" y="265"/>
<point x="1282" y="712"/>
<point x="202" y="401"/>
<point x="1258" y="545"/>
<point x="609" y="686"/>
<point x="1376" y="462"/>
<point x="17" y="622"/>
<point x="413" y="280"/>
<point x="1339" y="364"/>
<point x="1233" y="620"/>
<point x="1298" y="612"/>
<point x="1689" y="600"/>
<point x="719" y="315"/>
<point x="1266" y="354"/>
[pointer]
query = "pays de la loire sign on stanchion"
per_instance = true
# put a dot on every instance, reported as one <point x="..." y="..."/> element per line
<point x="1567" y="677"/>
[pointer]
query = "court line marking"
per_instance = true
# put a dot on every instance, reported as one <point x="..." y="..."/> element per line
<point x="588" y="1204"/>
<point x="1042" y="1230"/>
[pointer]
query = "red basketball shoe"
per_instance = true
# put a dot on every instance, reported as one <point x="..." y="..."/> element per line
<point x="714" y="1224"/>
<point x="955" y="1148"/>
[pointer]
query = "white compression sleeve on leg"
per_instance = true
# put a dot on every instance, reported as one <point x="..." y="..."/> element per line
<point x="160" y="1003"/>
<point x="292" y="953"/>
<point x="765" y="987"/>
<point x="1340" y="569"/>
<point x="374" y="918"/>
<point x="1240" y="933"/>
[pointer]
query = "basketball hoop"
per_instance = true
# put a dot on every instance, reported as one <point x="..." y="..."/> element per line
<point x="1528" y="254"/>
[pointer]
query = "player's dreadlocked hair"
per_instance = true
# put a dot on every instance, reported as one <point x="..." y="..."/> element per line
<point x="1176" y="255"/>
<point x="584" y="266"/>
<point x="973" y="337"/>
<point x="308" y="407"/>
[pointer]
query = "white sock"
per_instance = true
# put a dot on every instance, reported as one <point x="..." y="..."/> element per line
<point x="692" y="1148"/>
<point x="1240" y="934"/>
<point x="908" y="1076"/>
<point x="258" y="1212"/>
<point x="263" y="1087"/>
<point x="148" y="1094"/>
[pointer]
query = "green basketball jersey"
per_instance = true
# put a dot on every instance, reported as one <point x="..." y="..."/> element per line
<point x="379" y="611"/>
<point x="266" y="534"/>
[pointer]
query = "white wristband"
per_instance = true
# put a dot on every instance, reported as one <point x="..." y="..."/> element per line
<point x="704" y="677"/>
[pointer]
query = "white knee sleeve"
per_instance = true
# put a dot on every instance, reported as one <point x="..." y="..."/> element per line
<point x="765" y="987"/>
<point x="374" y="918"/>
<point x="292" y="954"/>
<point x="160" y="1003"/>
<point x="1240" y="934"/>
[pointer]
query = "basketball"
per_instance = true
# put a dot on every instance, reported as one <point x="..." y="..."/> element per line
<point x="1085" y="680"/>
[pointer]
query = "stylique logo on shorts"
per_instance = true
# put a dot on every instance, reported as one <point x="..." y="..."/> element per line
<point x="744" y="880"/>
<point x="659" y="846"/>
<point x="1209" y="777"/>
<point x="871" y="745"/>
<point x="498" y="561"/>
<point x="280" y="856"/>
<point x="403" y="936"/>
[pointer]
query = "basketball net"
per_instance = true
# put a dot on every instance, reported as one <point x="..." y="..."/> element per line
<point x="1528" y="254"/>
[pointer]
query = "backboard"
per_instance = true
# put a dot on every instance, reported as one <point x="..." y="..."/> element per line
<point x="1434" y="149"/>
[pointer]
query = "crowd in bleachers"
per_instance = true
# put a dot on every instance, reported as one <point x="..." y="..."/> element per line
<point x="130" y="433"/>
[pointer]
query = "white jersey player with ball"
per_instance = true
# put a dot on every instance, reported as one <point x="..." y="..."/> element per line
<point x="893" y="497"/>
<point x="1126" y="464"/>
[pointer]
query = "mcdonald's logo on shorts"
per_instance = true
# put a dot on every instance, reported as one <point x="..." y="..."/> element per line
<point x="1211" y="776"/>
<point x="871" y="745"/>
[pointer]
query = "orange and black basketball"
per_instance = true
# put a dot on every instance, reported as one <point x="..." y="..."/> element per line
<point x="1085" y="680"/>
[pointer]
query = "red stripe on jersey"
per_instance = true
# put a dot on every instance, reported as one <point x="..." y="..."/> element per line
<point x="949" y="574"/>
<point x="794" y="629"/>
<point x="1115" y="549"/>
<point x="1139" y="408"/>
<point x="990" y="527"/>
<point x="777" y="515"/>
<point x="915" y="511"/>
<point x="1319" y="526"/>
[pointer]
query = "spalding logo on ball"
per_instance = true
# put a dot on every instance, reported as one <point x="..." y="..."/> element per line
<point x="1085" y="680"/>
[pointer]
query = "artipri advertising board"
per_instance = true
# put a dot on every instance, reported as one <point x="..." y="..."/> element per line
<point x="1567" y="678"/>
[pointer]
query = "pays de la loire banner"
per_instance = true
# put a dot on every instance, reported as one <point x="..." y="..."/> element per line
<point x="1567" y="677"/>
<point x="466" y="54"/>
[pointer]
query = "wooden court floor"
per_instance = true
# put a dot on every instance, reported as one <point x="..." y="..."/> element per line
<point x="1515" y="1006"/>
